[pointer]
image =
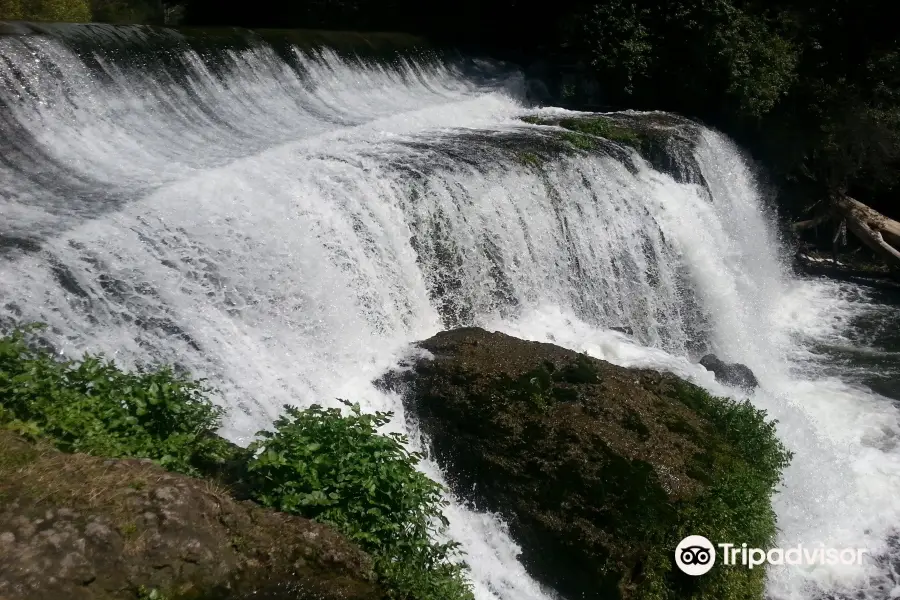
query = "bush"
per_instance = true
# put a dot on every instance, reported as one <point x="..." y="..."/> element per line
<point x="10" y="10"/>
<point x="70" y="11"/>
<point x="94" y="407"/>
<point x="317" y="464"/>
<point x="340" y="470"/>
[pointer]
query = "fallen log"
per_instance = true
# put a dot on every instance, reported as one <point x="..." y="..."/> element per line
<point x="876" y="221"/>
<point x="874" y="240"/>
<point x="879" y="233"/>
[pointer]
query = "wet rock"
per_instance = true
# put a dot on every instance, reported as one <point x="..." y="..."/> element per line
<point x="594" y="467"/>
<point x="733" y="374"/>
<point x="85" y="528"/>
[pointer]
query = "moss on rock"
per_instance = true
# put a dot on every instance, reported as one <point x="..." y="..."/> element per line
<point x="87" y="528"/>
<point x="599" y="470"/>
<point x="657" y="137"/>
<point x="583" y="132"/>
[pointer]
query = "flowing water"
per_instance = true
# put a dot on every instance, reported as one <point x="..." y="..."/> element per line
<point x="287" y="224"/>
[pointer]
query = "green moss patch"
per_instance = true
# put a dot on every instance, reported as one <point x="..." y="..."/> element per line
<point x="587" y="133"/>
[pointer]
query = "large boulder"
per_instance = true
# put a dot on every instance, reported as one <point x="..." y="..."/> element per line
<point x="598" y="470"/>
<point x="733" y="374"/>
<point x="86" y="528"/>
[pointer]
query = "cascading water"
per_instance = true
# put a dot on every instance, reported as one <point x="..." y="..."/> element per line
<point x="287" y="225"/>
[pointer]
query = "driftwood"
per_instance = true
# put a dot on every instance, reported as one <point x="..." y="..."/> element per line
<point x="801" y="225"/>
<point x="873" y="229"/>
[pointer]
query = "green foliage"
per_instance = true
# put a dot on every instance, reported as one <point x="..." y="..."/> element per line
<point x="317" y="463"/>
<point x="71" y="11"/>
<point x="340" y="470"/>
<point x="740" y="472"/>
<point x="813" y="89"/>
<point x="84" y="11"/>
<point x="10" y="10"/>
<point x="760" y="64"/>
<point x="745" y="428"/>
<point x="614" y="37"/>
<point x="93" y="407"/>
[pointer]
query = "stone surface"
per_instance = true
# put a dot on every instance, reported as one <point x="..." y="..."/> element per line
<point x="85" y="528"/>
<point x="733" y="374"/>
<point x="590" y="464"/>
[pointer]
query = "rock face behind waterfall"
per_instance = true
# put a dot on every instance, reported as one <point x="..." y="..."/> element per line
<point x="598" y="470"/>
<point x="78" y="527"/>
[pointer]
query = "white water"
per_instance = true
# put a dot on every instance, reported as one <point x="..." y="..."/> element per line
<point x="283" y="235"/>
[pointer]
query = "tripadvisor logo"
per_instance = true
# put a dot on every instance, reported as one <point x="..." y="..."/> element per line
<point x="696" y="555"/>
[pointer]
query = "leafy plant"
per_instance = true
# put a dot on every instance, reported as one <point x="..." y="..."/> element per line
<point x="338" y="469"/>
<point x="93" y="407"/>
<point x="73" y="11"/>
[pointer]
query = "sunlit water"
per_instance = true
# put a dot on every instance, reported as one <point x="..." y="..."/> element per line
<point x="288" y="227"/>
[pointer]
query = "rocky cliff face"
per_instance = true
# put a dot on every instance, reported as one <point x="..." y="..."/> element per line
<point x="86" y="528"/>
<point x="599" y="470"/>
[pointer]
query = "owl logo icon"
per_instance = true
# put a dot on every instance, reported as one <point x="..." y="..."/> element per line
<point x="695" y="555"/>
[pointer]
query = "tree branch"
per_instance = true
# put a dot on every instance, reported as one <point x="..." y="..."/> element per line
<point x="801" y="225"/>
<point x="859" y="216"/>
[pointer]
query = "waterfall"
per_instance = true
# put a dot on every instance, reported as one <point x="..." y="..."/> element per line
<point x="286" y="224"/>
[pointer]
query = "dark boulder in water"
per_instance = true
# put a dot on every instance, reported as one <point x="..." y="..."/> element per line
<point x="598" y="470"/>
<point x="733" y="374"/>
<point x="625" y="330"/>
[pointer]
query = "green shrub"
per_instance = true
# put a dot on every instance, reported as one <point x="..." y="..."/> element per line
<point x="10" y="10"/>
<point x="340" y="470"/>
<point x="67" y="11"/>
<point x="317" y="463"/>
<point x="93" y="407"/>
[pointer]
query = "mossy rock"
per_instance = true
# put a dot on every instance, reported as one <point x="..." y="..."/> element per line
<point x="584" y="131"/>
<point x="664" y="141"/>
<point x="599" y="470"/>
<point x="87" y="528"/>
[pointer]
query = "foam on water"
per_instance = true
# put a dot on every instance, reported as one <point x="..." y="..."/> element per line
<point x="287" y="230"/>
